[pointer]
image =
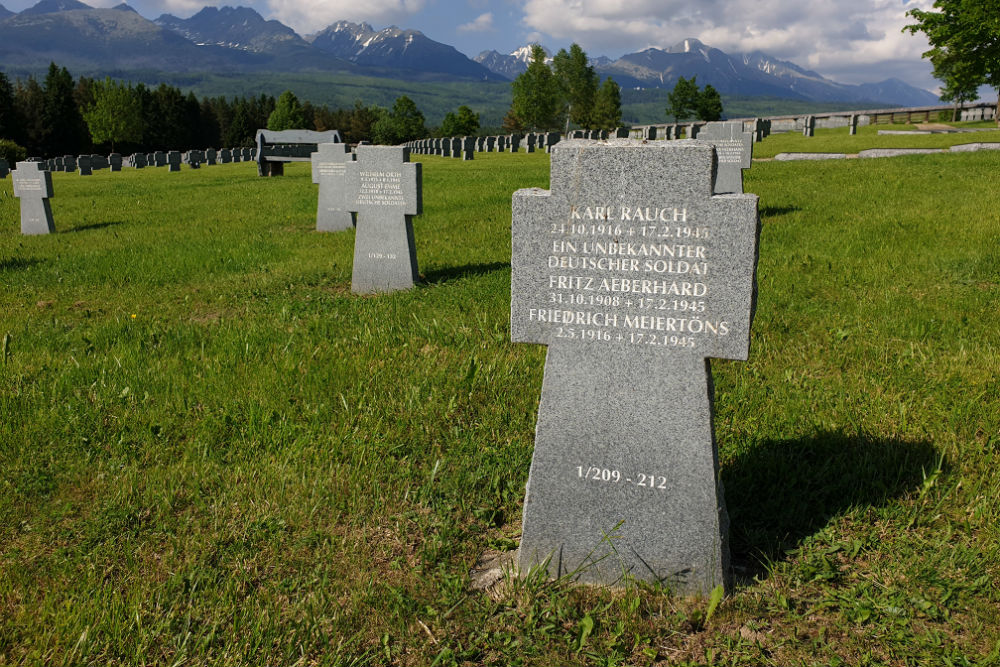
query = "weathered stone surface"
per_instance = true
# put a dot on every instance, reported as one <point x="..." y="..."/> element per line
<point x="972" y="148"/>
<point x="33" y="186"/>
<point x="632" y="283"/>
<point x="83" y="162"/>
<point x="330" y="165"/>
<point x="896" y="152"/>
<point x="384" y="189"/>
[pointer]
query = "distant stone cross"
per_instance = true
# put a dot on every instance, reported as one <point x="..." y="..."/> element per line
<point x="633" y="274"/>
<point x="329" y="164"/>
<point x="734" y="150"/>
<point x="33" y="185"/>
<point x="384" y="189"/>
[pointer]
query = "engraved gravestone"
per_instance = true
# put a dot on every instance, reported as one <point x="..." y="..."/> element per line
<point x="83" y="162"/>
<point x="808" y="126"/>
<point x="174" y="161"/>
<point x="210" y="157"/>
<point x="160" y="159"/>
<point x="33" y="186"/>
<point x="329" y="164"/>
<point x="633" y="274"/>
<point x="491" y="144"/>
<point x="852" y="124"/>
<point x="4" y="168"/>
<point x="384" y="189"/>
<point x="115" y="161"/>
<point x="468" y="148"/>
<point x="734" y="150"/>
<point x="445" y="148"/>
<point x="456" y="147"/>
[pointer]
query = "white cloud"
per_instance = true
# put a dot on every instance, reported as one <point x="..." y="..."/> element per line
<point x="311" y="15"/>
<point x="852" y="39"/>
<point x="482" y="23"/>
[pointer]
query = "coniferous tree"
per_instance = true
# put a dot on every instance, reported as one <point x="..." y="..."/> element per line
<point x="535" y="94"/>
<point x="578" y="83"/>
<point x="683" y="99"/>
<point x="64" y="129"/>
<point x="607" y="113"/>
<point x="29" y="100"/>
<point x="709" y="104"/>
<point x="11" y="125"/>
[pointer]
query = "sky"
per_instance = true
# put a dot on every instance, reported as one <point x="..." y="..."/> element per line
<point x="850" y="41"/>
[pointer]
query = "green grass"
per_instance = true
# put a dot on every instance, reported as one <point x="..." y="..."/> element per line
<point x="211" y="452"/>
<point x="837" y="140"/>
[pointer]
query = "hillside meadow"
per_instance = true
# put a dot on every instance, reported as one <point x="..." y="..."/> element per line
<point x="211" y="452"/>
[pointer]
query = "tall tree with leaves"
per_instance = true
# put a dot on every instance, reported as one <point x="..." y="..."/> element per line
<point x="578" y="85"/>
<point x="403" y="123"/>
<point x="461" y="123"/>
<point x="959" y="77"/>
<point x="683" y="99"/>
<point x="535" y="94"/>
<point x="287" y="114"/>
<point x="966" y="32"/>
<point x="607" y="112"/>
<point x="115" y="116"/>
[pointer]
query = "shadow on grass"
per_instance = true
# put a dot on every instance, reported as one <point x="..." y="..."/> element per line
<point x="456" y="272"/>
<point x="94" y="225"/>
<point x="777" y="211"/>
<point x="15" y="263"/>
<point x="785" y="490"/>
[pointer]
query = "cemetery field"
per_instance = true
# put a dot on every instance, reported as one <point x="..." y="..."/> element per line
<point x="211" y="452"/>
<point x="837" y="140"/>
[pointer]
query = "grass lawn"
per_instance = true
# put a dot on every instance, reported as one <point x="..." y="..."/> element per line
<point x="211" y="452"/>
<point x="837" y="140"/>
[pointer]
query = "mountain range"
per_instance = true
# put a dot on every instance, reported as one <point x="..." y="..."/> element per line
<point x="238" y="39"/>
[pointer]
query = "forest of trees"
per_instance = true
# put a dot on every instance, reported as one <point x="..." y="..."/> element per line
<point x="61" y="115"/>
<point x="567" y="92"/>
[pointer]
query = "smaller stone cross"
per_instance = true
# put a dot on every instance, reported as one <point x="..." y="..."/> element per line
<point x="384" y="188"/>
<point x="33" y="186"/>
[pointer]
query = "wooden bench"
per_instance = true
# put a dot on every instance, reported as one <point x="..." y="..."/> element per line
<point x="276" y="147"/>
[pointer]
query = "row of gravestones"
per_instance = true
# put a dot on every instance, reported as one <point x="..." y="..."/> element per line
<point x="635" y="269"/>
<point x="757" y="127"/>
<point x="88" y="164"/>
<point x="466" y="147"/>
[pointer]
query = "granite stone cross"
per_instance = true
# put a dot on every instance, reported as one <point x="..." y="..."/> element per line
<point x="734" y="149"/>
<point x="329" y="166"/>
<point x="633" y="274"/>
<point x="384" y="188"/>
<point x="33" y="186"/>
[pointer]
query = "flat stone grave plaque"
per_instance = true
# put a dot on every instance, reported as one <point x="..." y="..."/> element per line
<point x="330" y="165"/>
<point x="33" y="186"/>
<point x="734" y="151"/>
<point x="384" y="189"/>
<point x="633" y="274"/>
